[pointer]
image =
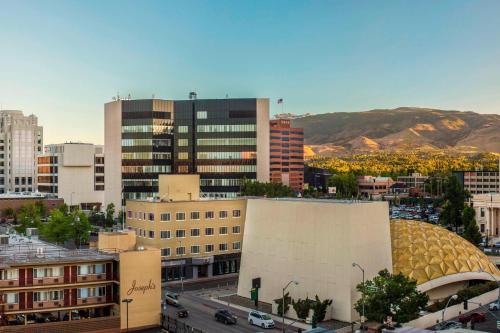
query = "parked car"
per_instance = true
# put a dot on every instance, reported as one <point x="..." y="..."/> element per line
<point x="496" y="244"/>
<point x="260" y="319"/>
<point x="182" y="312"/>
<point x="74" y="316"/>
<point x="494" y="306"/>
<point x="473" y="316"/>
<point x="225" y="317"/>
<point x="446" y="325"/>
<point x="172" y="298"/>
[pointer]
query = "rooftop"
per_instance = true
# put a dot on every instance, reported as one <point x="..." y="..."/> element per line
<point x="23" y="195"/>
<point x="28" y="251"/>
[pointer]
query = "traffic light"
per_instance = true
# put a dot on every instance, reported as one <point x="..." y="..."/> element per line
<point x="466" y="305"/>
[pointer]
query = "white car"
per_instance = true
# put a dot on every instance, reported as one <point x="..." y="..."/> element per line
<point x="494" y="306"/>
<point x="260" y="319"/>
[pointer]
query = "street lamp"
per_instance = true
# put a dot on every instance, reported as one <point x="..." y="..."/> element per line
<point x="283" y="303"/>
<point x="447" y="303"/>
<point x="362" y="294"/>
<point x="127" y="301"/>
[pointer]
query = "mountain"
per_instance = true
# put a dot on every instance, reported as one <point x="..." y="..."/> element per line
<point x="400" y="129"/>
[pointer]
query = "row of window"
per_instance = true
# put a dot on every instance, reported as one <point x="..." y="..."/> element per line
<point x="181" y="216"/>
<point x="181" y="233"/>
<point x="146" y="169"/>
<point x="227" y="155"/>
<point x="146" y="142"/>
<point x="156" y="129"/>
<point x="196" y="249"/>
<point x="227" y="142"/>
<point x="57" y="271"/>
<point x="221" y="182"/>
<point x="226" y="168"/>
<point x="56" y="295"/>
<point x="226" y="128"/>
<point x="146" y="156"/>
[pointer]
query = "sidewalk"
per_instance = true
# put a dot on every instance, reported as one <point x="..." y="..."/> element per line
<point x="277" y="320"/>
<point x="212" y="279"/>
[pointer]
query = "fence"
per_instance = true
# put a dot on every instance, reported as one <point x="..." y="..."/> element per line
<point x="172" y="325"/>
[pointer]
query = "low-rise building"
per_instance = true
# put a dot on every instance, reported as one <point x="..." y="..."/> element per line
<point x="73" y="172"/>
<point x="197" y="237"/>
<point x="374" y="186"/>
<point x="316" y="178"/>
<point x="414" y="181"/>
<point x="479" y="182"/>
<point x="47" y="288"/>
<point x="487" y="208"/>
<point x="16" y="200"/>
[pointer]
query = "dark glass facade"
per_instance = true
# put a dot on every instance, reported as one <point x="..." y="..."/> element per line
<point x="147" y="138"/>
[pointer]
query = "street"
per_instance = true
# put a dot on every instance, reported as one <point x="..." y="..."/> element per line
<point x="201" y="316"/>
<point x="490" y="325"/>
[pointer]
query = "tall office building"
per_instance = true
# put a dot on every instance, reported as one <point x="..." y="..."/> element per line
<point x="223" y="140"/>
<point x="73" y="172"/>
<point x="287" y="154"/>
<point x="21" y="140"/>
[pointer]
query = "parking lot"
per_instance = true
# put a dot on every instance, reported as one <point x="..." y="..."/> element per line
<point x="424" y="213"/>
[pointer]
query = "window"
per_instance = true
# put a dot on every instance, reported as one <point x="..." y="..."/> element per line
<point x="209" y="231"/>
<point x="482" y="212"/>
<point x="83" y="270"/>
<point x="195" y="215"/>
<point x="183" y="169"/>
<point x="236" y="213"/>
<point x="223" y="214"/>
<point x="183" y="155"/>
<point x="38" y="273"/>
<point x="151" y="234"/>
<point x="165" y="217"/>
<point x="11" y="298"/>
<point x="236" y="229"/>
<point x="9" y="274"/>
<point x="180" y="216"/>
<point x="236" y="246"/>
<point x="195" y="232"/>
<point x="151" y="216"/>
<point x="180" y="233"/>
<point x="180" y="250"/>
<point x="209" y="215"/>
<point x="182" y="129"/>
<point x="223" y="231"/>
<point x="201" y="115"/>
<point x="209" y="248"/>
<point x="165" y="234"/>
<point x="195" y="249"/>
<point x="223" y="247"/>
<point x="182" y="142"/>
<point x="99" y="268"/>
<point x="165" y="252"/>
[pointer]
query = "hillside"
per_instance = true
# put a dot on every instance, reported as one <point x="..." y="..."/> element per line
<point x="400" y="129"/>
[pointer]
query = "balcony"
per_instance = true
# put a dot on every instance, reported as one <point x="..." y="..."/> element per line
<point x="47" y="304"/>
<point x="91" y="277"/>
<point x="48" y="281"/>
<point x="91" y="300"/>
<point x="9" y="283"/>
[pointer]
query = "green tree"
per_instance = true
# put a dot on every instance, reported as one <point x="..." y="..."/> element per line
<point x="110" y="215"/>
<point x="58" y="227"/>
<point x="96" y="217"/>
<point x="454" y="198"/>
<point x="302" y="307"/>
<point x="270" y="190"/>
<point x="392" y="295"/>
<point x="80" y="227"/>
<point x="319" y="307"/>
<point x="29" y="216"/>
<point x="8" y="213"/>
<point x="471" y="232"/>
<point x="345" y="184"/>
<point x="279" y="302"/>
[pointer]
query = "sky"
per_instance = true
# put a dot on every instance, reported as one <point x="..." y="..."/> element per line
<point x="62" y="60"/>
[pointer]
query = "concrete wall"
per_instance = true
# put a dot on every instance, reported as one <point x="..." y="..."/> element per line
<point x="179" y="187"/>
<point x="113" y="150"/>
<point x="111" y="241"/>
<point x="140" y="280"/>
<point x="314" y="242"/>
<point x="453" y="311"/>
<point x="263" y="140"/>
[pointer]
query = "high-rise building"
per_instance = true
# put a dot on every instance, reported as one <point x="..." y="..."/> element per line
<point x="21" y="140"/>
<point x="73" y="172"/>
<point x="478" y="182"/>
<point x="287" y="154"/>
<point x="223" y="140"/>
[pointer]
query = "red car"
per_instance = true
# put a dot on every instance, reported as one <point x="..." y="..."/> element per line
<point x="473" y="316"/>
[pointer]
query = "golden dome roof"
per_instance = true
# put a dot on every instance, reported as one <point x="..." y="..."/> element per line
<point x="426" y="252"/>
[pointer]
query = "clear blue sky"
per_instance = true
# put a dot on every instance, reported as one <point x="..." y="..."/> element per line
<point x="62" y="60"/>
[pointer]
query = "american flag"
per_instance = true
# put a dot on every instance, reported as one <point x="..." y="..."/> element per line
<point x="280" y="101"/>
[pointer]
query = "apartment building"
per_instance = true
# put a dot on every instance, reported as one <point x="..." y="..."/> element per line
<point x="287" y="154"/>
<point x="197" y="237"/>
<point x="74" y="172"/>
<point x="479" y="182"/>
<point x="374" y="186"/>
<point x="223" y="140"/>
<point x="414" y="181"/>
<point x="21" y="140"/>
<point x="47" y="288"/>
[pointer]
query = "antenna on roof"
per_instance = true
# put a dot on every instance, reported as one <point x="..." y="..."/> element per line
<point x="129" y="97"/>
<point x="193" y="95"/>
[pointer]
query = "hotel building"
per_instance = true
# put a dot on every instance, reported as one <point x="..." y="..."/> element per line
<point x="223" y="140"/>
<point x="287" y="154"/>
<point x="21" y="140"/>
<point x="197" y="237"/>
<point x="46" y="288"/>
<point x="73" y="172"/>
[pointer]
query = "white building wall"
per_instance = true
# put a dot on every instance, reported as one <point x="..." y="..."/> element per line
<point x="314" y="242"/>
<point x="113" y="151"/>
